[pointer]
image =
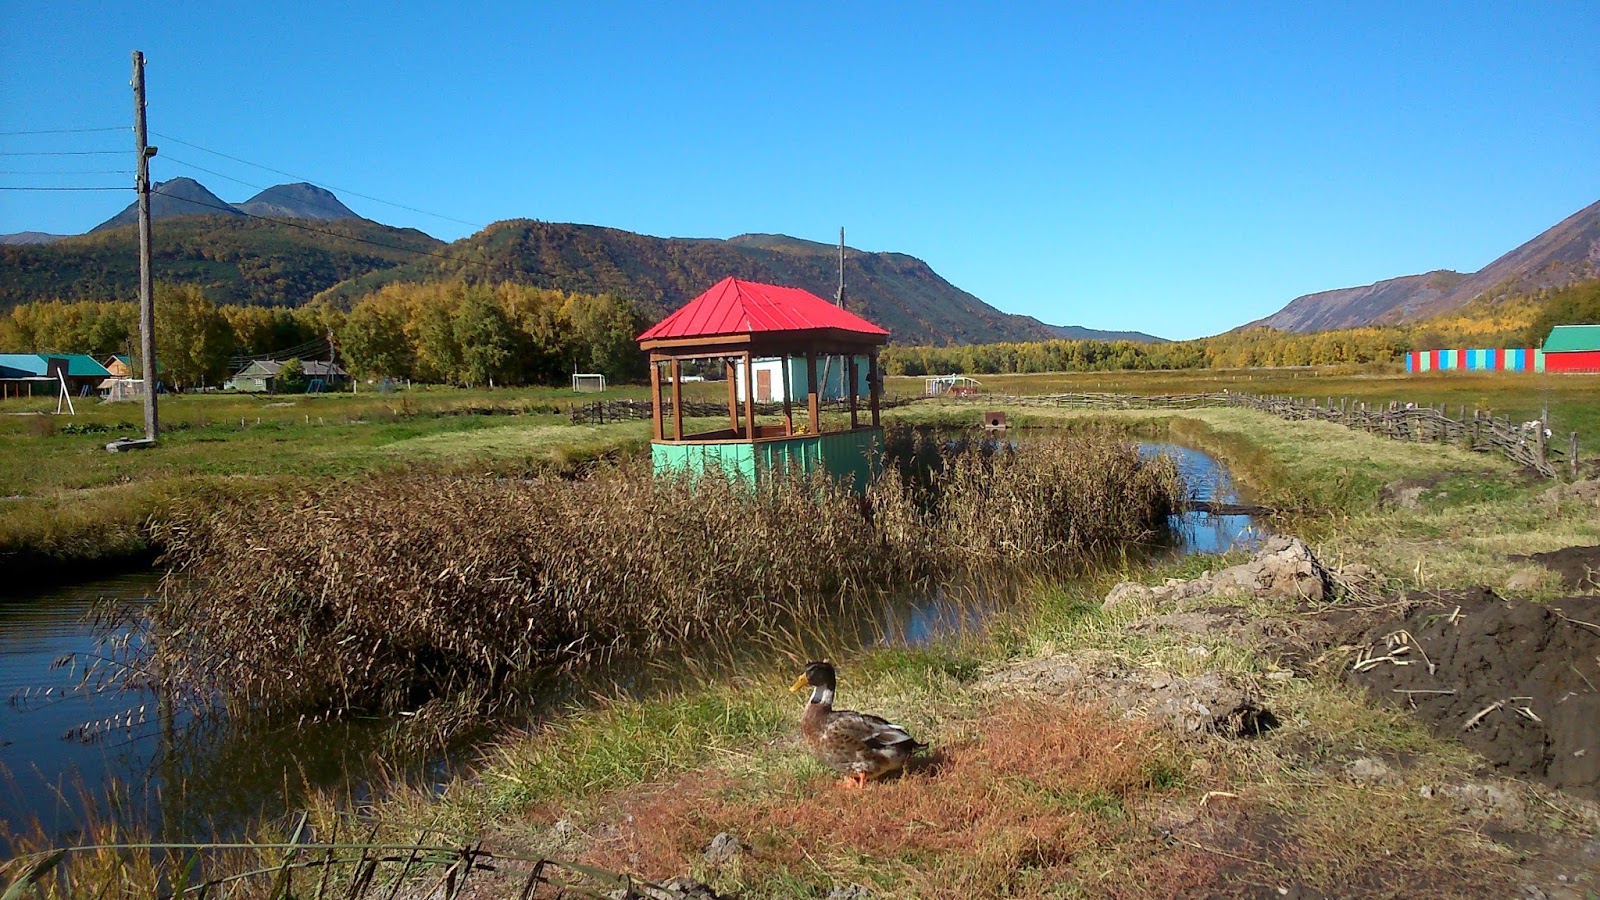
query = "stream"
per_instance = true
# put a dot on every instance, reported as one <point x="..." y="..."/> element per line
<point x="186" y="779"/>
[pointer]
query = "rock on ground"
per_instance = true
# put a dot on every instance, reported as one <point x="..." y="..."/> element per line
<point x="1284" y="569"/>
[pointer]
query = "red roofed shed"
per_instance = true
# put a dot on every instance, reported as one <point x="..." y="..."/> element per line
<point x="738" y="322"/>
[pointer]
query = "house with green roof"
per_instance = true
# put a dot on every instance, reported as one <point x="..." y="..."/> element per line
<point x="1572" y="348"/>
<point x="27" y="374"/>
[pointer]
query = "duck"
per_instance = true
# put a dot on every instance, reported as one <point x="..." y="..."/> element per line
<point x="860" y="745"/>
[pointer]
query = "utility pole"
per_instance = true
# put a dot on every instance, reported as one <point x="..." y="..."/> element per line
<point x="838" y="296"/>
<point x="147" y="314"/>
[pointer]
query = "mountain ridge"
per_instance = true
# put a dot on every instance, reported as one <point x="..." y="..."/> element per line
<point x="1563" y="254"/>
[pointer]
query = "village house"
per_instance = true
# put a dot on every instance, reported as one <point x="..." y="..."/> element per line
<point x="261" y="376"/>
<point x="41" y="374"/>
<point x="1572" y="348"/>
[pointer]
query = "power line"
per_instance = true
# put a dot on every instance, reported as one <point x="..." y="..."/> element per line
<point x="64" y="153"/>
<point x="8" y="188"/>
<point x="330" y="187"/>
<point x="63" y="131"/>
<point x="74" y="172"/>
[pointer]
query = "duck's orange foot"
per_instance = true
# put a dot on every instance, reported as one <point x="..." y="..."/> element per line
<point x="856" y="780"/>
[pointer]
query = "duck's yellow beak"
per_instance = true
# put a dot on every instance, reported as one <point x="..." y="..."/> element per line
<point x="799" y="684"/>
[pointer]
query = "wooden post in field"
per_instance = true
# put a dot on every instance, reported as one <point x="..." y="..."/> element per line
<point x="749" y="396"/>
<point x="147" y="313"/>
<point x="872" y="385"/>
<point x="1538" y="444"/>
<point x="850" y="372"/>
<point x="1572" y="456"/>
<point x="733" y="394"/>
<point x="677" y="400"/>
<point x="655" y="400"/>
<point x="812" y="406"/>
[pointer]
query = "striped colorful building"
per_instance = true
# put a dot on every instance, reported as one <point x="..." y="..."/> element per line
<point x="1496" y="359"/>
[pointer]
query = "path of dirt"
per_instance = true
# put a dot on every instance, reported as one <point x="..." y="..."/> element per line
<point x="1514" y="680"/>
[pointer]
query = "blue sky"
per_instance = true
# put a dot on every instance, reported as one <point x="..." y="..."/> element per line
<point x="1172" y="169"/>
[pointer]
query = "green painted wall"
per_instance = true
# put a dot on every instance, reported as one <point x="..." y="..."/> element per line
<point x="850" y="455"/>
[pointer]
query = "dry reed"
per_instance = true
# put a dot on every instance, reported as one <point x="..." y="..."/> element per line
<point x="381" y="593"/>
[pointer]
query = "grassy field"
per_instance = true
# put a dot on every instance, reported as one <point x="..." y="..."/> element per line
<point x="1034" y="797"/>
<point x="1024" y="796"/>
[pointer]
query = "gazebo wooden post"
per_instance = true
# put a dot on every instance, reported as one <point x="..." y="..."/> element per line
<point x="872" y="384"/>
<point x="655" y="397"/>
<point x="788" y="404"/>
<point x="749" y="396"/>
<point x="677" y="399"/>
<point x="850" y="372"/>
<point x="811" y="392"/>
<point x="733" y="394"/>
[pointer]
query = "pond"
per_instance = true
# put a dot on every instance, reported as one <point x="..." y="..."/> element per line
<point x="188" y="779"/>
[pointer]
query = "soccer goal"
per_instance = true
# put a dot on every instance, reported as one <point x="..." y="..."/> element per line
<point x="588" y="383"/>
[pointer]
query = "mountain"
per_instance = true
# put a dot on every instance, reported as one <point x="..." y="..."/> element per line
<point x="1365" y="305"/>
<point x="234" y="258"/>
<point x="1080" y="333"/>
<point x="899" y="292"/>
<point x="30" y="237"/>
<point x="257" y="252"/>
<point x="297" y="201"/>
<point x="1566" y="253"/>
<point x="178" y="197"/>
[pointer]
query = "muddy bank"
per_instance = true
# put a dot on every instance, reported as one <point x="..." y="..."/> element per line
<point x="1579" y="567"/>
<point x="1514" y="680"/>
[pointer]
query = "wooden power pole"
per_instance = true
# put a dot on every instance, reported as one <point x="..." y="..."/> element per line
<point x="147" y="314"/>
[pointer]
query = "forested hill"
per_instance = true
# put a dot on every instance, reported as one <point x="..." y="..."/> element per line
<point x="234" y="258"/>
<point x="899" y="292"/>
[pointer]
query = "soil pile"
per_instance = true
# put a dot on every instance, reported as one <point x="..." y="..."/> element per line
<point x="1579" y="567"/>
<point x="1516" y="681"/>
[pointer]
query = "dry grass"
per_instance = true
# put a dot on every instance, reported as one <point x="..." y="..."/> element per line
<point x="386" y="592"/>
<point x="1003" y="811"/>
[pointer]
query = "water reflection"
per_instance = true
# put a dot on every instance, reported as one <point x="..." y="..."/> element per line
<point x="1200" y="531"/>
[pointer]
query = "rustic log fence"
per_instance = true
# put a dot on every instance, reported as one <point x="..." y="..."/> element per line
<point x="1530" y="444"/>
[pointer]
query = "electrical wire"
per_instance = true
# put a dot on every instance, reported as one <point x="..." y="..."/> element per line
<point x="9" y="188"/>
<point x="65" y="131"/>
<point x="63" y="152"/>
<point x="78" y="172"/>
<point x="168" y="137"/>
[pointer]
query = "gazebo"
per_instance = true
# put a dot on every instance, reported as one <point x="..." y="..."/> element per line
<point x="773" y="345"/>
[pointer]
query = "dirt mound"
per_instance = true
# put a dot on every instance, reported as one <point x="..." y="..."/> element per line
<point x="1514" y="680"/>
<point x="1210" y="702"/>
<point x="1579" y="567"/>
<point x="1284" y="569"/>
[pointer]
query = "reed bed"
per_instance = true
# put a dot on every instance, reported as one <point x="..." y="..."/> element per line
<point x="382" y="593"/>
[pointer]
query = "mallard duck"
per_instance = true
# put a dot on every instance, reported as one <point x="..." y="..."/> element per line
<point x="860" y="745"/>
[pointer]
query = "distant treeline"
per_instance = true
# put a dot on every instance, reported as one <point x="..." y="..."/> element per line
<point x="1518" y="322"/>
<point x="443" y="333"/>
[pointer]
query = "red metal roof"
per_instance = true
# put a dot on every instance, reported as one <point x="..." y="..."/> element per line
<point x="732" y="306"/>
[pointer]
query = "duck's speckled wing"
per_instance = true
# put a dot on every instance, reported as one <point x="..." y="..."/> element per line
<point x="859" y="742"/>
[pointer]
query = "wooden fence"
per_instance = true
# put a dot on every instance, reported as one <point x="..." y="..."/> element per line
<point x="1527" y="444"/>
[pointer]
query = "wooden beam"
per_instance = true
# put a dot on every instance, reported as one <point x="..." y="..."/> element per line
<point x="872" y="385"/>
<point x="677" y="400"/>
<point x="811" y="394"/>
<point x="788" y="408"/>
<point x="733" y="394"/>
<point x="655" y="400"/>
<point x="850" y="371"/>
<point x="749" y="396"/>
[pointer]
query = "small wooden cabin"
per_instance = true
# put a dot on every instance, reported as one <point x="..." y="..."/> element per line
<point x="1572" y="348"/>
<point x="738" y="324"/>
